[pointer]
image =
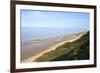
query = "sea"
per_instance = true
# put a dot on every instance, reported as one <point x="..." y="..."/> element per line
<point x="30" y="33"/>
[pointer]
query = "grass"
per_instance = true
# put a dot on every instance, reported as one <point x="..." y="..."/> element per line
<point x="76" y="50"/>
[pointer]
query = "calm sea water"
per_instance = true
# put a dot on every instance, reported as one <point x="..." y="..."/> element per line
<point x="42" y="33"/>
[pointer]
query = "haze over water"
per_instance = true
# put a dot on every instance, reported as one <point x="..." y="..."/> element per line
<point x="36" y="24"/>
<point x="45" y="33"/>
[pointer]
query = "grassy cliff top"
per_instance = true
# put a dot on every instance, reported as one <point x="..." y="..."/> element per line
<point x="76" y="50"/>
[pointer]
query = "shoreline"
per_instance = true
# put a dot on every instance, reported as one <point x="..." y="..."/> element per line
<point x="65" y="40"/>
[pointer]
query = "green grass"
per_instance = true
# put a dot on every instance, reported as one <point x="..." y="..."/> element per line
<point x="77" y="50"/>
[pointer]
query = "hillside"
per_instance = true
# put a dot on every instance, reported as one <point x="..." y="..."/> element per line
<point x="76" y="50"/>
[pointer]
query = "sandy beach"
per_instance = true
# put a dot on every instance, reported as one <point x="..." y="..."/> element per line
<point x="30" y="50"/>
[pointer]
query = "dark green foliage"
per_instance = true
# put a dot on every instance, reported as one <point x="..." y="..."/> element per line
<point x="77" y="50"/>
<point x="79" y="53"/>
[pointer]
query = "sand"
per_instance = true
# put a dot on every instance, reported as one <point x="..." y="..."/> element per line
<point x="35" y="48"/>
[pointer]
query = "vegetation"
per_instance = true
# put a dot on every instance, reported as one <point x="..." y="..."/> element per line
<point x="76" y="50"/>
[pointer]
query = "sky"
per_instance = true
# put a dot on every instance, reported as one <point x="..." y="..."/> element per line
<point x="51" y="19"/>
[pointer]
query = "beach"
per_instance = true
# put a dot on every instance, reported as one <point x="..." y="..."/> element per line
<point x="32" y="49"/>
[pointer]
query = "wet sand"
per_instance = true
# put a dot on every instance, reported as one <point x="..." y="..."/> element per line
<point x="34" y="48"/>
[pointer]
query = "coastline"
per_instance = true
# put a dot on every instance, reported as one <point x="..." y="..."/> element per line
<point x="63" y="40"/>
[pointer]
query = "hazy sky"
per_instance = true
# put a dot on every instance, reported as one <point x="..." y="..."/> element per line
<point x="50" y="19"/>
